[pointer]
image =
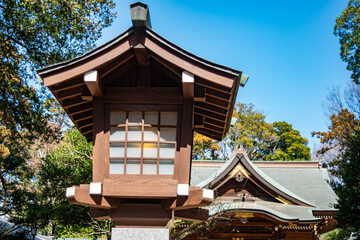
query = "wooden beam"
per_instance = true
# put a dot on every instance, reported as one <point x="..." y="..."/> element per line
<point x="81" y="196"/>
<point x="172" y="74"/>
<point x="124" y="60"/>
<point x="194" y="215"/>
<point x="209" y="114"/>
<point x="85" y="94"/>
<point x="82" y="116"/>
<point x="80" y="108"/>
<point x="241" y="235"/>
<point x="100" y="214"/>
<point x="188" y="84"/>
<point x="199" y="94"/>
<point x="197" y="197"/>
<point x="217" y="101"/>
<point x="93" y="83"/>
<point x="67" y="86"/>
<point x="67" y="103"/>
<point x="141" y="55"/>
<point x="198" y="121"/>
<point x="210" y="134"/>
<point x="140" y="188"/>
<point x="211" y="108"/>
<point x="68" y="94"/>
<point x="85" y="123"/>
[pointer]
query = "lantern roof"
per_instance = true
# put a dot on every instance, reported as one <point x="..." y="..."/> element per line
<point x="140" y="50"/>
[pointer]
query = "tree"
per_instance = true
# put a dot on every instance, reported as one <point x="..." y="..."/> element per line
<point x="261" y="140"/>
<point x="251" y="131"/>
<point x="290" y="146"/>
<point x="204" y="147"/>
<point x="348" y="189"/>
<point x="343" y="112"/>
<point x="34" y="34"/>
<point x="347" y="28"/>
<point x="42" y="201"/>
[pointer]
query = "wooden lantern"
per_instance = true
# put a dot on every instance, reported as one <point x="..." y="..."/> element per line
<point x="139" y="98"/>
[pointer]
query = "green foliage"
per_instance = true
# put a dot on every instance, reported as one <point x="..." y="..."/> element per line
<point x="290" y="146"/>
<point x="347" y="28"/>
<point x="41" y="200"/>
<point x="348" y="189"/>
<point x="34" y="34"/>
<point x="335" y="234"/>
<point x="261" y="140"/>
<point x="204" y="147"/>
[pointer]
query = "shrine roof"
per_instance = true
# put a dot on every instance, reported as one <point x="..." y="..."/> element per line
<point x="306" y="182"/>
<point x="215" y="85"/>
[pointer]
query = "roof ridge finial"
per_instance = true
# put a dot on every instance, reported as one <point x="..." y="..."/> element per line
<point x="140" y="15"/>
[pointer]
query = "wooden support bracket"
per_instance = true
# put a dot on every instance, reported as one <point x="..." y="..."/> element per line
<point x="93" y="83"/>
<point x="188" y="84"/>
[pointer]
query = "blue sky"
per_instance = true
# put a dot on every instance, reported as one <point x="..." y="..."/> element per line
<point x="287" y="48"/>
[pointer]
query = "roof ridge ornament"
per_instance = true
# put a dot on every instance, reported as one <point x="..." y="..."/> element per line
<point x="140" y="15"/>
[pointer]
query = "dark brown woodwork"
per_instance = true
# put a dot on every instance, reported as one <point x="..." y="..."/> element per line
<point x="209" y="114"/>
<point x="85" y="123"/>
<point x="176" y="75"/>
<point x="140" y="188"/>
<point x="194" y="215"/>
<point x="125" y="62"/>
<point x="94" y="85"/>
<point x="140" y="214"/>
<point x="199" y="94"/>
<point x="99" y="214"/>
<point x="82" y="116"/>
<point x="142" y="57"/>
<point x="61" y="95"/>
<point x="217" y="102"/>
<point x="194" y="67"/>
<point x="66" y="86"/>
<point x="195" y="199"/>
<point x="80" y="108"/>
<point x="86" y="94"/>
<point x="99" y="141"/>
<point x="212" y="134"/>
<point x="91" y="63"/>
<point x="211" y="108"/>
<point x="67" y="103"/>
<point x="186" y="141"/>
<point x="241" y="235"/>
<point x="198" y="121"/>
<point x="83" y="197"/>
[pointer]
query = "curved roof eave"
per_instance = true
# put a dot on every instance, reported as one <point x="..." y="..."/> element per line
<point x="130" y="31"/>
<point x="242" y="158"/>
<point x="258" y="208"/>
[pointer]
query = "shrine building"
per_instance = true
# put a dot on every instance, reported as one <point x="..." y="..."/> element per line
<point x="139" y="98"/>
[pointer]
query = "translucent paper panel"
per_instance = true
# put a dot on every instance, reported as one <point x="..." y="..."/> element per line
<point x="167" y="134"/>
<point x="167" y="150"/>
<point x="150" y="134"/>
<point x="150" y="150"/>
<point x="117" y="150"/>
<point x="168" y="118"/>
<point x="166" y="167"/>
<point x="149" y="166"/>
<point x="117" y="166"/>
<point x="117" y="134"/>
<point x="133" y="150"/>
<point x="134" y="134"/>
<point x="133" y="166"/>
<point x="135" y="118"/>
<point x="151" y="118"/>
<point x="117" y="118"/>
